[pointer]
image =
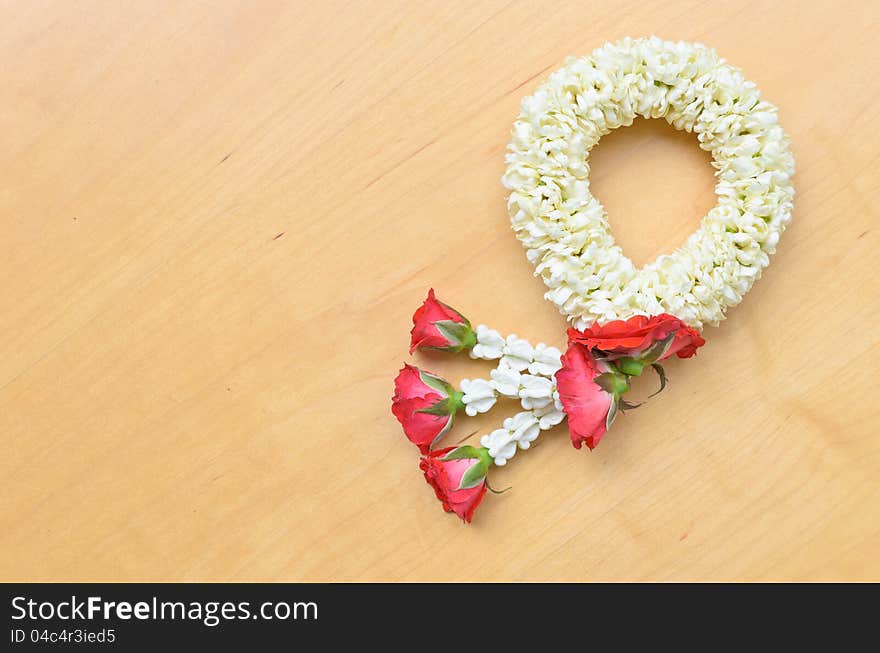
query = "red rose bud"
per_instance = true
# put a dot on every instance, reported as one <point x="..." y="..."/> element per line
<point x="589" y="391"/>
<point x="425" y="405"/>
<point x="458" y="476"/>
<point x="640" y="338"/>
<point x="441" y="327"/>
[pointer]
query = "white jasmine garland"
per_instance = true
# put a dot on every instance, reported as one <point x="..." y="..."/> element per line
<point x="513" y="378"/>
<point x="545" y="360"/>
<point x="520" y="431"/>
<point x="489" y="346"/>
<point x="515" y="352"/>
<point x="535" y="391"/>
<point x="479" y="396"/>
<point x="565" y="229"/>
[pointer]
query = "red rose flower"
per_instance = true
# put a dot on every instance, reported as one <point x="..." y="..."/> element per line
<point x="589" y="405"/>
<point x="685" y="344"/>
<point x="424" y="404"/>
<point x="458" y="476"/>
<point x="600" y="361"/>
<point x="648" y="339"/>
<point x="441" y="327"/>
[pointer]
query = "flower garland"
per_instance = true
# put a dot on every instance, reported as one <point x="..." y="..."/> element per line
<point x="624" y="320"/>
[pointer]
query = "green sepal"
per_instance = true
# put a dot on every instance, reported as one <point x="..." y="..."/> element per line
<point x="435" y="382"/>
<point x="656" y="350"/>
<point x="623" y="404"/>
<point x="475" y="475"/>
<point x="612" y="413"/>
<point x="459" y="333"/>
<point x="614" y="383"/>
<point x="477" y="472"/>
<point x="465" y="451"/>
<point x="493" y="490"/>
<point x="448" y="406"/>
<point x="662" y="374"/>
<point x="446" y="429"/>
<point x="630" y="366"/>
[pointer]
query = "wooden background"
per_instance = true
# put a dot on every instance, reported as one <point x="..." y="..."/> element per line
<point x="218" y="217"/>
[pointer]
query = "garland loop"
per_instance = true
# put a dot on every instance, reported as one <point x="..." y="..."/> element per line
<point x="565" y="229"/>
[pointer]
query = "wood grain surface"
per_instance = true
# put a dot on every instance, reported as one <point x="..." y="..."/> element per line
<point x="218" y="217"/>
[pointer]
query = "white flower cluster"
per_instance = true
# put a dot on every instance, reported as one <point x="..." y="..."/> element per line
<point x="565" y="229"/>
<point x="524" y="372"/>
<point x="516" y="353"/>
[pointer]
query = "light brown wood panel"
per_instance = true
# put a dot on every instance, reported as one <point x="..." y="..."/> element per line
<point x="217" y="218"/>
